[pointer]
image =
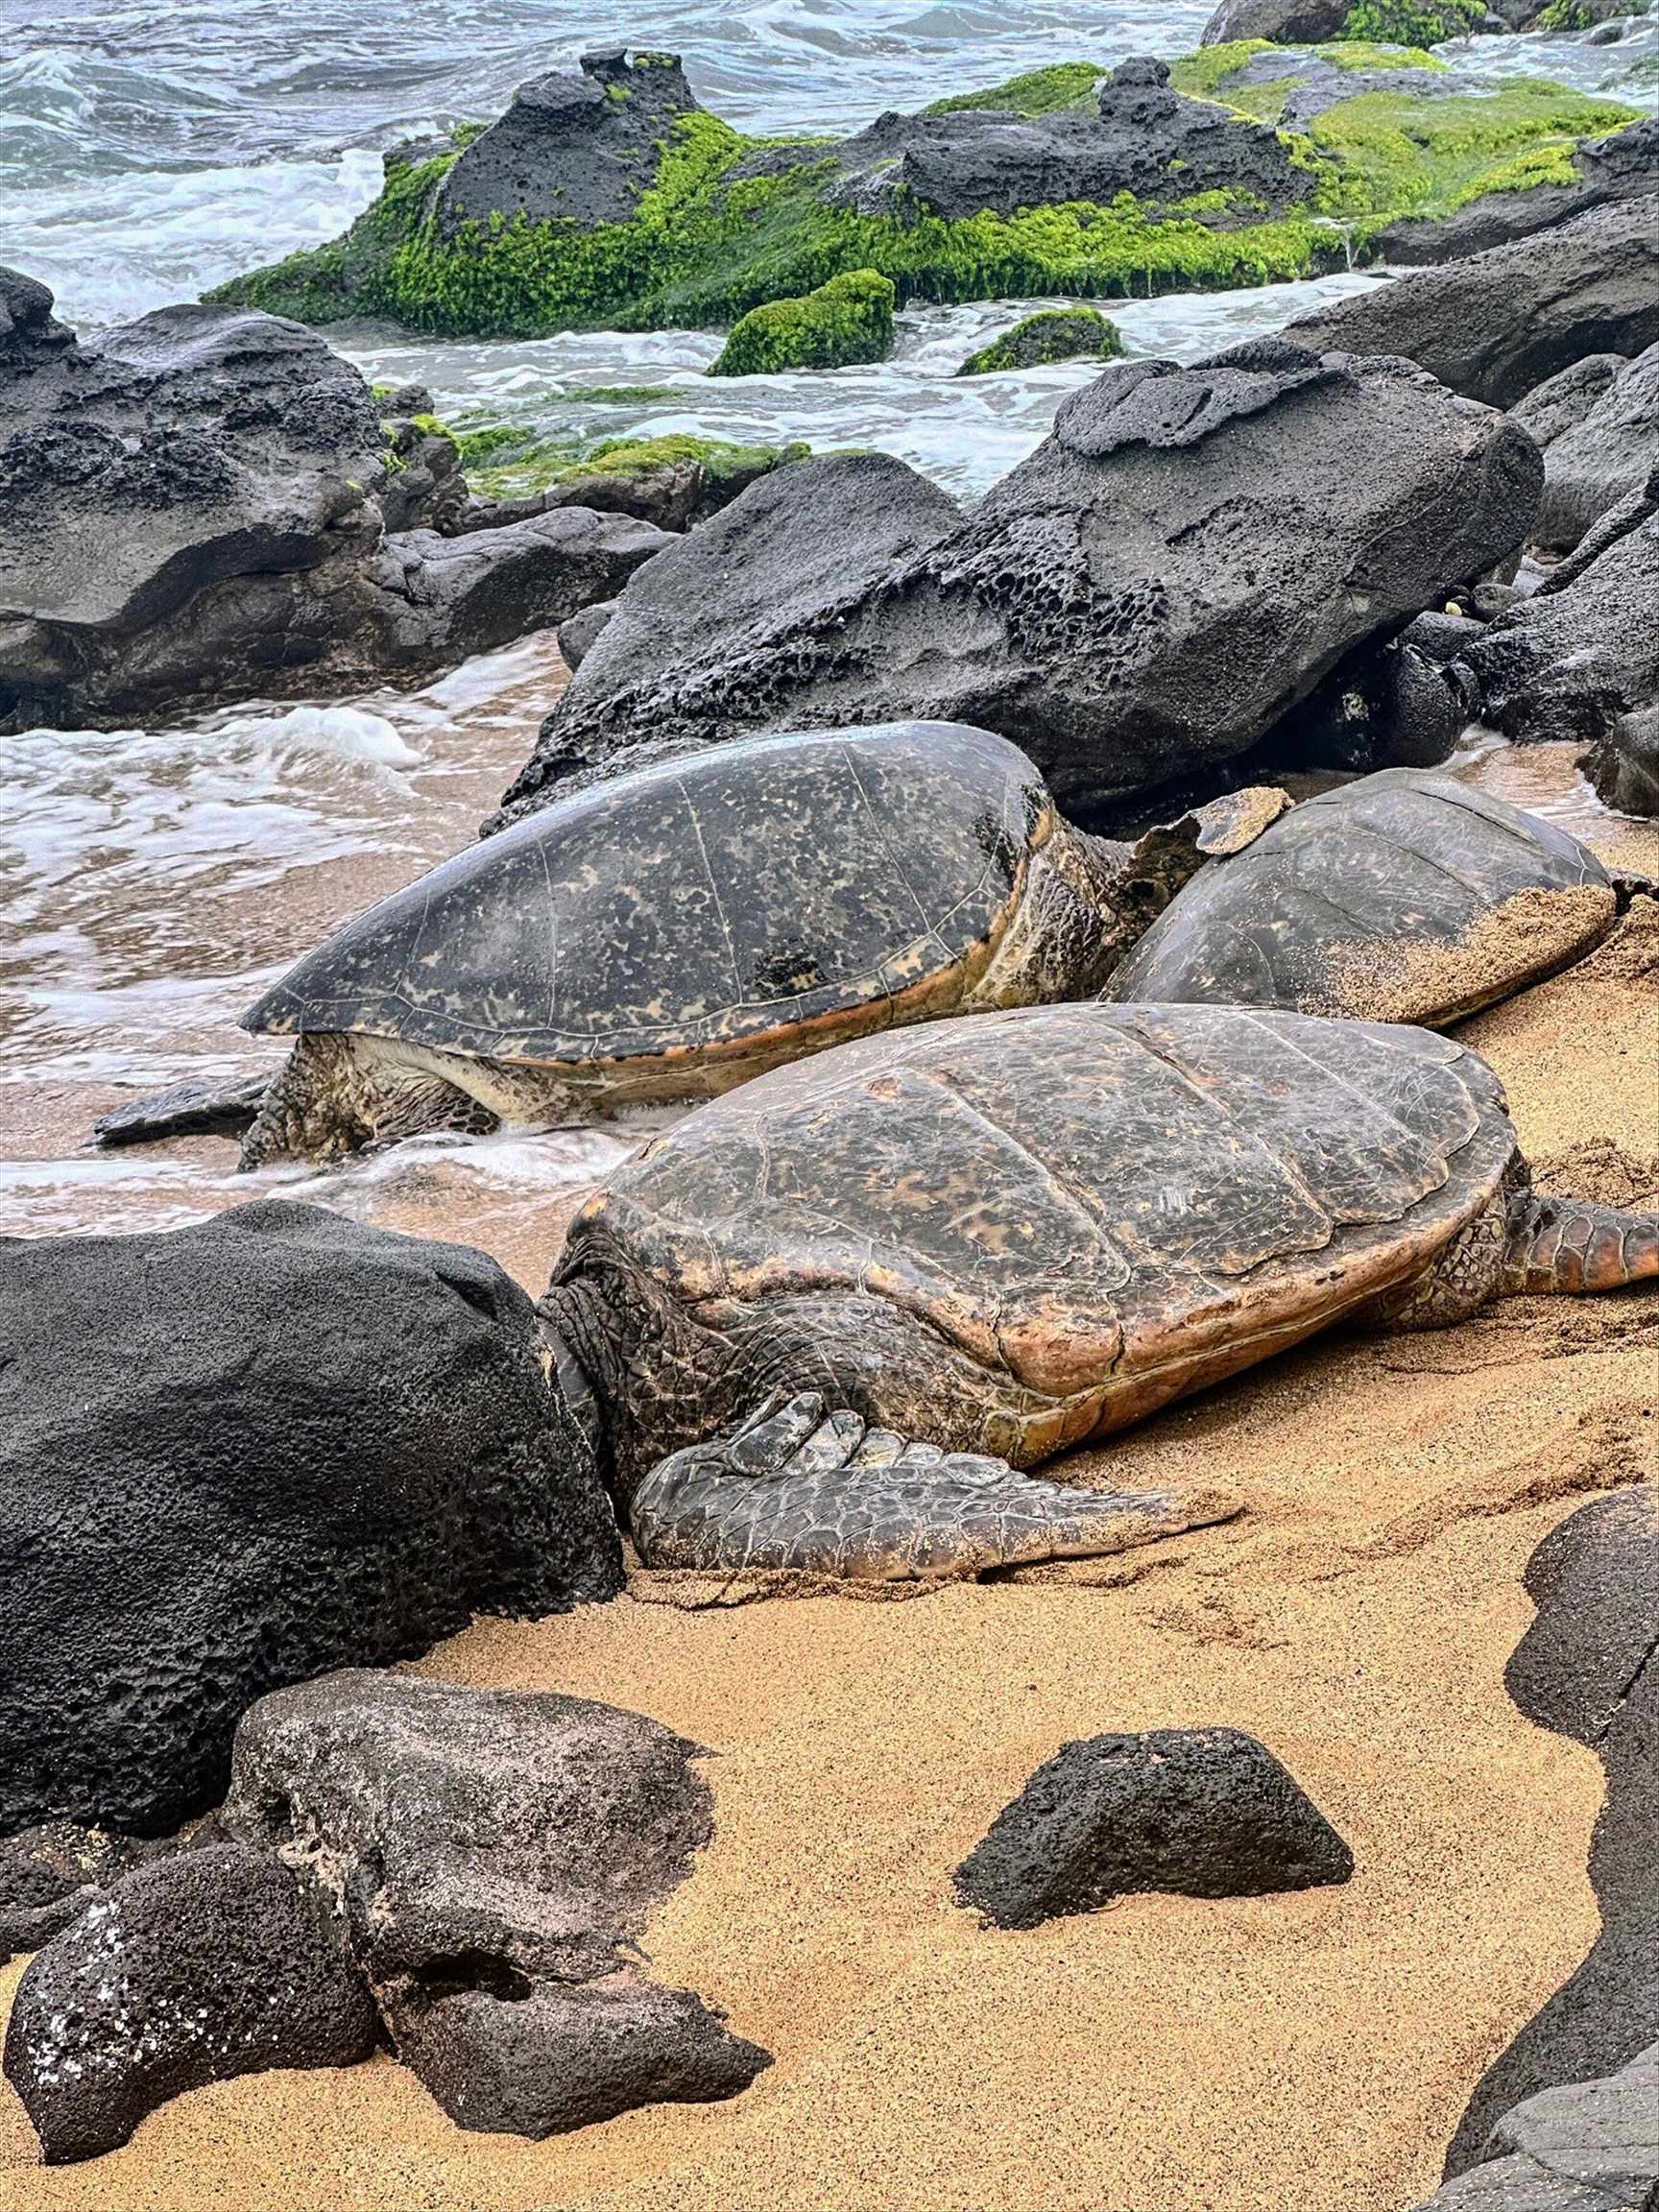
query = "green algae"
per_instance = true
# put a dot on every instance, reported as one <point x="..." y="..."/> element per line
<point x="544" y="464"/>
<point x="1038" y="92"/>
<point x="1055" y="334"/>
<point x="1412" y="22"/>
<point x="849" y="320"/>
<point x="731" y="224"/>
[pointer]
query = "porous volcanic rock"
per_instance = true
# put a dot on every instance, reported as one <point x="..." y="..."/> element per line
<point x="1495" y="325"/>
<point x="204" y="504"/>
<point x="1180" y="562"/>
<point x="1201" y="1812"/>
<point x="215" y="1963"/>
<point x="1139" y="136"/>
<point x="244" y="1452"/>
<point x="495" y="1859"/>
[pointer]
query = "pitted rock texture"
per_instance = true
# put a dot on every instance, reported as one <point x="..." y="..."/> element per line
<point x="311" y="1442"/>
<point x="495" y="1861"/>
<point x="202" y="1968"/>
<point x="1139" y="137"/>
<point x="206" y="504"/>
<point x="581" y="146"/>
<point x="1495" y="325"/>
<point x="1589" y="1667"/>
<point x="50" y="1874"/>
<point x="1200" y="1812"/>
<point x="1180" y="562"/>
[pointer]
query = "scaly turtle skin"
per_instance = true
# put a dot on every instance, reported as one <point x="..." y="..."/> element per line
<point x="821" y="1321"/>
<point x="1402" y="897"/>
<point x="669" y="933"/>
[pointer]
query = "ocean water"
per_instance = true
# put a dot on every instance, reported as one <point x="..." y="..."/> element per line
<point x="153" y="881"/>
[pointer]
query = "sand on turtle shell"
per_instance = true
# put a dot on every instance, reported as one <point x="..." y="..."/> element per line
<point x="1508" y="947"/>
<point x="1265" y="2055"/>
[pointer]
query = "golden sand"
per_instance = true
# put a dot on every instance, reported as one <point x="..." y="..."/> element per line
<point x="1295" y="2054"/>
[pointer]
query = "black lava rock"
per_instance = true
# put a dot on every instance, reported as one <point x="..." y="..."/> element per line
<point x="208" y="1965"/>
<point x="1497" y="325"/>
<point x="495" y="1861"/>
<point x="1175" y="567"/>
<point x="245" y="1452"/>
<point x="1589" y="1667"/>
<point x="1199" y="1811"/>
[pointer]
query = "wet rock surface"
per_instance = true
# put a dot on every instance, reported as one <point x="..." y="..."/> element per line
<point x="311" y="1443"/>
<point x="1588" y="1668"/>
<point x="204" y="504"/>
<point x="495" y="1859"/>
<point x="581" y="146"/>
<point x="1180" y="562"/>
<point x="1624" y="166"/>
<point x="1579" y="661"/>
<point x="215" y="1963"/>
<point x="1139" y="136"/>
<point x="1603" y="446"/>
<point x="1200" y="1812"/>
<point x="1497" y="325"/>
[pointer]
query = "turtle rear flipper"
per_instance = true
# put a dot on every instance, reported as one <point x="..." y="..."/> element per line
<point x="1574" y="1247"/>
<point x="798" y="1486"/>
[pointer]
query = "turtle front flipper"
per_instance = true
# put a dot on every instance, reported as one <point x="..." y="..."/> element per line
<point x="801" y="1486"/>
<point x="337" y="1094"/>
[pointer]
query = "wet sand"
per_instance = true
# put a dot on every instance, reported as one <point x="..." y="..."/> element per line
<point x="1167" y="2056"/>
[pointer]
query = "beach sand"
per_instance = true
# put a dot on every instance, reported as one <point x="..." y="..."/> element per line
<point x="1292" y="2053"/>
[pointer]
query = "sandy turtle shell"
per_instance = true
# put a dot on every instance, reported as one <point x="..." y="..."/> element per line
<point x="696" y="904"/>
<point x="1015" y="1232"/>
<point x="1402" y="896"/>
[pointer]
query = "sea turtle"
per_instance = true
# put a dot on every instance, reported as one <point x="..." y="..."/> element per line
<point x="1403" y="896"/>
<point x="668" y="933"/>
<point x="821" y="1321"/>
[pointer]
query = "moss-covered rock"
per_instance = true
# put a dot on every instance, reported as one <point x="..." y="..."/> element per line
<point x="674" y="480"/>
<point x="1056" y="334"/>
<point x="845" y="322"/>
<point x="1413" y="22"/>
<point x="704" y="224"/>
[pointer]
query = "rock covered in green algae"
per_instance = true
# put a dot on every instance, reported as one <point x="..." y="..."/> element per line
<point x="1154" y="178"/>
<point x="1056" y="334"/>
<point x="845" y="322"/>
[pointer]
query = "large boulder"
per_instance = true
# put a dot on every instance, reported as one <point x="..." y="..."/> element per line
<point x="1586" y="1669"/>
<point x="1181" y="561"/>
<point x="581" y="146"/>
<point x="206" y="504"/>
<point x="1592" y="462"/>
<point x="1584" y="2147"/>
<point x="1200" y="1812"/>
<point x="1497" y="325"/>
<point x="1624" y="166"/>
<point x="495" y="1861"/>
<point x="1138" y="136"/>
<point x="1579" y="661"/>
<point x="242" y="1454"/>
<point x="1284" y="22"/>
<point x="215" y="1963"/>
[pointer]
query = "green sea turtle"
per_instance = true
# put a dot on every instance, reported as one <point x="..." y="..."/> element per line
<point x="1403" y="896"/>
<point x="820" y="1322"/>
<point x="668" y="933"/>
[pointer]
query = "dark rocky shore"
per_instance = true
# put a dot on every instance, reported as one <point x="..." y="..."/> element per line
<point x="858" y="828"/>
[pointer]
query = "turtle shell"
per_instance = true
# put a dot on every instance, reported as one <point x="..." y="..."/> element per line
<point x="1098" y="1203"/>
<point x="1381" y="898"/>
<point x="701" y="901"/>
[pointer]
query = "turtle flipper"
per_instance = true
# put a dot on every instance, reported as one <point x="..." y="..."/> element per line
<point x="805" y="1487"/>
<point x="1575" y="1248"/>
